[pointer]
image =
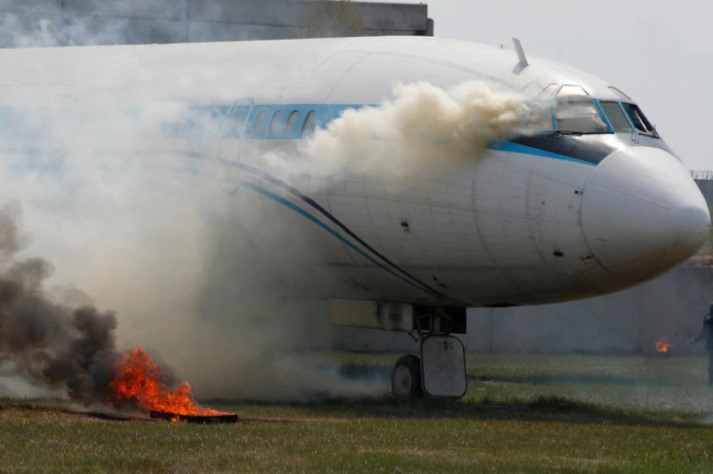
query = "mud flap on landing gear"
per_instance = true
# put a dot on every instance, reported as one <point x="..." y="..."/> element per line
<point x="443" y="366"/>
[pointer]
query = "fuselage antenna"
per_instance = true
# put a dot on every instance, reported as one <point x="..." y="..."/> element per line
<point x="522" y="64"/>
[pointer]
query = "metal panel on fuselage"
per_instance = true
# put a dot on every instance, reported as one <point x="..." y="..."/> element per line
<point x="528" y="213"/>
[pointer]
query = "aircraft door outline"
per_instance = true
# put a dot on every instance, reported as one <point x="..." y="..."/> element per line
<point x="230" y="145"/>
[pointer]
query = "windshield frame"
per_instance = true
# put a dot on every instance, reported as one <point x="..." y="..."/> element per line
<point x="551" y="104"/>
<point x="561" y="104"/>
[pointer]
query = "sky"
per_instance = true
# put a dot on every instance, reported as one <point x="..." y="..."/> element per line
<point x="658" y="52"/>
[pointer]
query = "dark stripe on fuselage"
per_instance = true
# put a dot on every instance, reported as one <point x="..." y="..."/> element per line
<point x="590" y="148"/>
<point x="321" y="210"/>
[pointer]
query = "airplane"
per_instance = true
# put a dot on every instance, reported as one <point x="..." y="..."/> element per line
<point x="584" y="198"/>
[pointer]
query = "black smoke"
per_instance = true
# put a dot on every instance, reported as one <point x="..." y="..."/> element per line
<point x="49" y="343"/>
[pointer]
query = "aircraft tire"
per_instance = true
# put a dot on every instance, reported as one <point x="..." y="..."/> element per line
<point x="406" y="377"/>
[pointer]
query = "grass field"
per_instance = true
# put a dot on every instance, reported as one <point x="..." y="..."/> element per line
<point x="521" y="414"/>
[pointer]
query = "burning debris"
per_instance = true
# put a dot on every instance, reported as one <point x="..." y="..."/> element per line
<point x="662" y="346"/>
<point x="73" y="349"/>
<point x="140" y="382"/>
<point x="224" y="417"/>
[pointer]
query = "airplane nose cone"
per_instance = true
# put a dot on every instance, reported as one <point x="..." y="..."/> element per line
<point x="642" y="213"/>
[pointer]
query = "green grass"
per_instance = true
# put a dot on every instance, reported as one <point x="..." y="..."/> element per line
<point x="521" y="414"/>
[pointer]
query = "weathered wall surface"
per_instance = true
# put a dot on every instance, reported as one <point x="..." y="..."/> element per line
<point x="82" y="22"/>
<point x="670" y="307"/>
<point x="707" y="189"/>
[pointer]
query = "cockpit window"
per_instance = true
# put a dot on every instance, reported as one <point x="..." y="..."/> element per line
<point x="617" y="117"/>
<point x="540" y="118"/>
<point x="572" y="90"/>
<point x="622" y="95"/>
<point x="579" y="116"/>
<point x="640" y="121"/>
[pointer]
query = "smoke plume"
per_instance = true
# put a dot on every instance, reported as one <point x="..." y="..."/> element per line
<point x="191" y="269"/>
<point x="423" y="131"/>
<point x="53" y="345"/>
<point x="128" y="186"/>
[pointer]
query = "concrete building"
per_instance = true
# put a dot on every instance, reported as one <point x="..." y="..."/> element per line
<point x="705" y="183"/>
<point x="83" y="22"/>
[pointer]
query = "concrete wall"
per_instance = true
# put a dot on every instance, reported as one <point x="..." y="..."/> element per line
<point x="670" y="307"/>
<point x="81" y="22"/>
<point x="706" y="187"/>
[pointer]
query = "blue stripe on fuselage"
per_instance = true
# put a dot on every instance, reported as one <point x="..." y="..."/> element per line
<point x="325" y="113"/>
<point x="245" y="120"/>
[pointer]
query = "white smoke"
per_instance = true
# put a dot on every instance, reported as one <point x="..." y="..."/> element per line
<point x="201" y="274"/>
<point x="423" y="131"/>
<point x="251" y="306"/>
<point x="27" y="29"/>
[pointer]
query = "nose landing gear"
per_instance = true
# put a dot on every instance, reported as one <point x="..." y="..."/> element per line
<point x="439" y="368"/>
<point x="406" y="377"/>
<point x="439" y="372"/>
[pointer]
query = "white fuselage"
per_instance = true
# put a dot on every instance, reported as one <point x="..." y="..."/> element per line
<point x="562" y="217"/>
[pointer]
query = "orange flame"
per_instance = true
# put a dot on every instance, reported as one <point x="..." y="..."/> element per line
<point x="138" y="382"/>
<point x="662" y="346"/>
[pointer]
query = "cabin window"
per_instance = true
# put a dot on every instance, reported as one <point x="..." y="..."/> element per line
<point x="275" y="124"/>
<point x="617" y="117"/>
<point x="259" y="124"/>
<point x="579" y="117"/>
<point x="309" y="122"/>
<point x="291" y="122"/>
<point x="640" y="121"/>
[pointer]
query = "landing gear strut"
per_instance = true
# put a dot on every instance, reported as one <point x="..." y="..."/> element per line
<point x="439" y="372"/>
<point x="439" y="369"/>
